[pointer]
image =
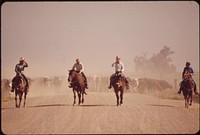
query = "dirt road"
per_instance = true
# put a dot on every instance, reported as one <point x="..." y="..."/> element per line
<point x="140" y="114"/>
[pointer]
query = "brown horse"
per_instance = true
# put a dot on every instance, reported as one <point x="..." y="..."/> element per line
<point x="20" y="89"/>
<point x="188" y="86"/>
<point x="119" y="86"/>
<point x="78" y="85"/>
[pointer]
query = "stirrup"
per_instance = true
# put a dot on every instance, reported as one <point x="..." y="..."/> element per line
<point x="12" y="90"/>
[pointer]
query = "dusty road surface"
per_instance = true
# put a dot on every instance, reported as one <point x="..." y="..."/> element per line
<point x="140" y="114"/>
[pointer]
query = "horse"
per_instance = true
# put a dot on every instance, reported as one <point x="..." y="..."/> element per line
<point x="119" y="86"/>
<point x="78" y="85"/>
<point x="20" y="88"/>
<point x="188" y="86"/>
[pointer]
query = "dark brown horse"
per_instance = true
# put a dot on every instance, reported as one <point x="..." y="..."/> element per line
<point x="188" y="86"/>
<point x="20" y="89"/>
<point x="78" y="85"/>
<point x="119" y="86"/>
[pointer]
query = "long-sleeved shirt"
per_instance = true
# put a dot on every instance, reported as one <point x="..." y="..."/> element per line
<point x="20" y="67"/>
<point x="78" y="67"/>
<point x="118" y="66"/>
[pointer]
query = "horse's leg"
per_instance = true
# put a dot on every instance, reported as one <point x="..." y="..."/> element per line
<point x="187" y="101"/>
<point x="117" y="96"/>
<point x="74" y="97"/>
<point x="20" y="98"/>
<point x="82" y="97"/>
<point x="16" y="105"/>
<point x="190" y="97"/>
<point x="185" y="97"/>
<point x="79" y="98"/>
<point x="25" y="93"/>
<point x="121" y="96"/>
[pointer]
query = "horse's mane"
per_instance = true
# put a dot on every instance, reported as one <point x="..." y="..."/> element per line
<point x="79" y="78"/>
<point x="118" y="80"/>
<point x="20" y="82"/>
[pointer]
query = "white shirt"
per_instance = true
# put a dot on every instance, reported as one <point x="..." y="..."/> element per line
<point x="78" y="67"/>
<point x="118" y="66"/>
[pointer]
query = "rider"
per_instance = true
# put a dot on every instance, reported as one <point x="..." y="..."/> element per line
<point x="119" y="67"/>
<point x="19" y="68"/>
<point x="79" y="68"/>
<point x="187" y="74"/>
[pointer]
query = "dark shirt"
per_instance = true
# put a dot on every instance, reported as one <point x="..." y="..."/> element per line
<point x="187" y="69"/>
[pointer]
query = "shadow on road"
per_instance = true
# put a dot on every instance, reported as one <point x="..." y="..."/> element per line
<point x="97" y="105"/>
<point x="162" y="105"/>
<point x="54" y="105"/>
<point x="48" y="105"/>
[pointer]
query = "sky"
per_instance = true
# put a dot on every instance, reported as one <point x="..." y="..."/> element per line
<point x="51" y="35"/>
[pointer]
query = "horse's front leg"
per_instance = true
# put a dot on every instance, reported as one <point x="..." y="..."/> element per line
<point x="20" y="98"/>
<point x="121" y="96"/>
<point x="190" y="97"/>
<point x="74" y="97"/>
<point x="186" y="101"/>
<point x="79" y="98"/>
<point x="117" y="96"/>
<point x="25" y="99"/>
<point x="16" y="105"/>
<point x="82" y="97"/>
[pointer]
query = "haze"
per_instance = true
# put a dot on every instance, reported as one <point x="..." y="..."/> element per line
<point x="51" y="35"/>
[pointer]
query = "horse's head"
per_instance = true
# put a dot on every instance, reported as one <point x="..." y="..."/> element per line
<point x="187" y="75"/>
<point x="20" y="82"/>
<point x="71" y="75"/>
<point x="118" y="80"/>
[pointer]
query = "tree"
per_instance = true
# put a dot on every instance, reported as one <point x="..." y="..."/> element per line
<point x="158" y="63"/>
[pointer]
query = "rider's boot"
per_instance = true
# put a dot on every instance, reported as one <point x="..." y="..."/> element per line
<point x="110" y="86"/>
<point x="179" y="92"/>
<point x="27" y="87"/>
<point x="85" y="92"/>
<point x="127" y="86"/>
<point x="195" y="89"/>
<point x="71" y="85"/>
<point x="86" y="85"/>
<point x="12" y="89"/>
